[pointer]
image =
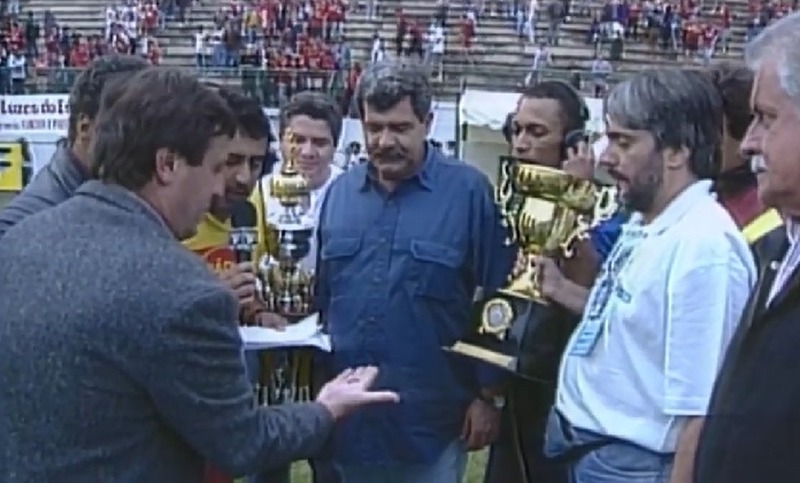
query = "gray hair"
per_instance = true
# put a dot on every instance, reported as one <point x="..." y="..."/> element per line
<point x="384" y="84"/>
<point x="779" y="43"/>
<point x="680" y="108"/>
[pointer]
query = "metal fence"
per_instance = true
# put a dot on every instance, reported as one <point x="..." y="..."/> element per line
<point x="270" y="87"/>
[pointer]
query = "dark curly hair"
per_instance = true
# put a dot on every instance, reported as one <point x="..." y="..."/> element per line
<point x="734" y="83"/>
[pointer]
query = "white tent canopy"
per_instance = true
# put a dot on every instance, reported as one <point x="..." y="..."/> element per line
<point x="486" y="109"/>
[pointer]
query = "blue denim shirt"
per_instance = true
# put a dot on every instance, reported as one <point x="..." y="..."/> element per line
<point x="605" y="235"/>
<point x="397" y="275"/>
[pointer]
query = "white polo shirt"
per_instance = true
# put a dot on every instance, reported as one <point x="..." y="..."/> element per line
<point x="663" y="309"/>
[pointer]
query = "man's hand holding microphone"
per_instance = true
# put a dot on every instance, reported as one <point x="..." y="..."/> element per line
<point x="241" y="278"/>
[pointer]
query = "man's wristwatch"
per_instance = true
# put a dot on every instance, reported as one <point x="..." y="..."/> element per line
<point x="496" y="401"/>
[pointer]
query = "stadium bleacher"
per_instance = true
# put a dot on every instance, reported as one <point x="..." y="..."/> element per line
<point x="500" y="58"/>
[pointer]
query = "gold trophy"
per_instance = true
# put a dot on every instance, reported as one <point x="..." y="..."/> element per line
<point x="286" y="286"/>
<point x="546" y="212"/>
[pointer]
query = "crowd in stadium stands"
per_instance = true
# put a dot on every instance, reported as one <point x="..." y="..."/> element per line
<point x="681" y="28"/>
<point x="302" y="42"/>
<point x="37" y="43"/>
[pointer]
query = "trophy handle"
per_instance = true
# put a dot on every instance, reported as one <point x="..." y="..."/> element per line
<point x="503" y="195"/>
<point x="503" y="192"/>
<point x="605" y="206"/>
<point x="579" y="232"/>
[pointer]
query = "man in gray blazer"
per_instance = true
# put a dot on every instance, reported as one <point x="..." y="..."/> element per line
<point x="69" y="166"/>
<point x="119" y="349"/>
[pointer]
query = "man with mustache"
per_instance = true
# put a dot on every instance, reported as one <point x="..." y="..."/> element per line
<point x="751" y="433"/>
<point x="243" y="169"/>
<point x="405" y="242"/>
<point x="635" y="380"/>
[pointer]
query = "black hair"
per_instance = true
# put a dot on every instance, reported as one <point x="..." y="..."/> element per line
<point x="734" y="84"/>
<point x="574" y="112"/>
<point x="86" y="92"/>
<point x="315" y="105"/>
<point x="250" y="117"/>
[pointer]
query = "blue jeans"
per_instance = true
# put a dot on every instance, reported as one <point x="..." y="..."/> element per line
<point x="594" y="458"/>
<point x="449" y="468"/>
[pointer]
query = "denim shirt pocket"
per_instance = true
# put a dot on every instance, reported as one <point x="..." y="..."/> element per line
<point x="338" y="253"/>
<point x="436" y="270"/>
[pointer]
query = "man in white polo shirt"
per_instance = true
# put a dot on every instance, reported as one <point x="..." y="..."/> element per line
<point x="636" y="378"/>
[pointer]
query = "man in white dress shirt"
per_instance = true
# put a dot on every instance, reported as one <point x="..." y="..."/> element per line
<point x="636" y="378"/>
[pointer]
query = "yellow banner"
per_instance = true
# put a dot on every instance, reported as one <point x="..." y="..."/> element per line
<point x="10" y="167"/>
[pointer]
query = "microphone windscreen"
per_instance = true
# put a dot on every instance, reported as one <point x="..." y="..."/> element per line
<point x="243" y="215"/>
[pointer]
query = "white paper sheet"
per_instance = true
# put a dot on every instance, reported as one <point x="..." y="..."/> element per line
<point x="305" y="333"/>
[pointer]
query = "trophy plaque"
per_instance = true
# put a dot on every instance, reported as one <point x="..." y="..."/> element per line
<point x="286" y="287"/>
<point x="546" y="212"/>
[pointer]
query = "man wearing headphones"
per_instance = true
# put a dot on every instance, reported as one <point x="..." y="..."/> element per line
<point x="547" y="128"/>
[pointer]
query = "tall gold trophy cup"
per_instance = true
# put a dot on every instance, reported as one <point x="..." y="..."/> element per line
<point x="286" y="286"/>
<point x="546" y="211"/>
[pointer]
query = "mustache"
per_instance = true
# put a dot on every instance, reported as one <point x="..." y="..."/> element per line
<point x="757" y="164"/>
<point x="390" y="153"/>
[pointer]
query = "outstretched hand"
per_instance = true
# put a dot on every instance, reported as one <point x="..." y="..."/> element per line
<point x="350" y="390"/>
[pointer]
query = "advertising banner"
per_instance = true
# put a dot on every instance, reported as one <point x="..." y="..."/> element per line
<point x="34" y="113"/>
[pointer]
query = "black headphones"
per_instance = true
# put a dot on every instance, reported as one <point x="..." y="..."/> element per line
<point x="573" y="105"/>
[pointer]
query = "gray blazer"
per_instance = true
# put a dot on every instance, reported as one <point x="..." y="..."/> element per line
<point x="121" y="359"/>
<point x="55" y="183"/>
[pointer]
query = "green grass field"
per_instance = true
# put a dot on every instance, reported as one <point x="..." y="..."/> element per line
<point x="477" y="462"/>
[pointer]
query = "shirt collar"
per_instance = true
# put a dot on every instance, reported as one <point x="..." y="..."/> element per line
<point x="792" y="230"/>
<point x="675" y="209"/>
<point x="424" y="175"/>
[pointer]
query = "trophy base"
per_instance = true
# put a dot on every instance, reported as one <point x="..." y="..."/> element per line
<point x="516" y="334"/>
<point x="477" y="352"/>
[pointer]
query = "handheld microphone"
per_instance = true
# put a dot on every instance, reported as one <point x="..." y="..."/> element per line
<point x="243" y="231"/>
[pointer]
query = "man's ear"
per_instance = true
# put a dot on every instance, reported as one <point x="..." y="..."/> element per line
<point x="166" y="163"/>
<point x="84" y="126"/>
<point x="675" y="159"/>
